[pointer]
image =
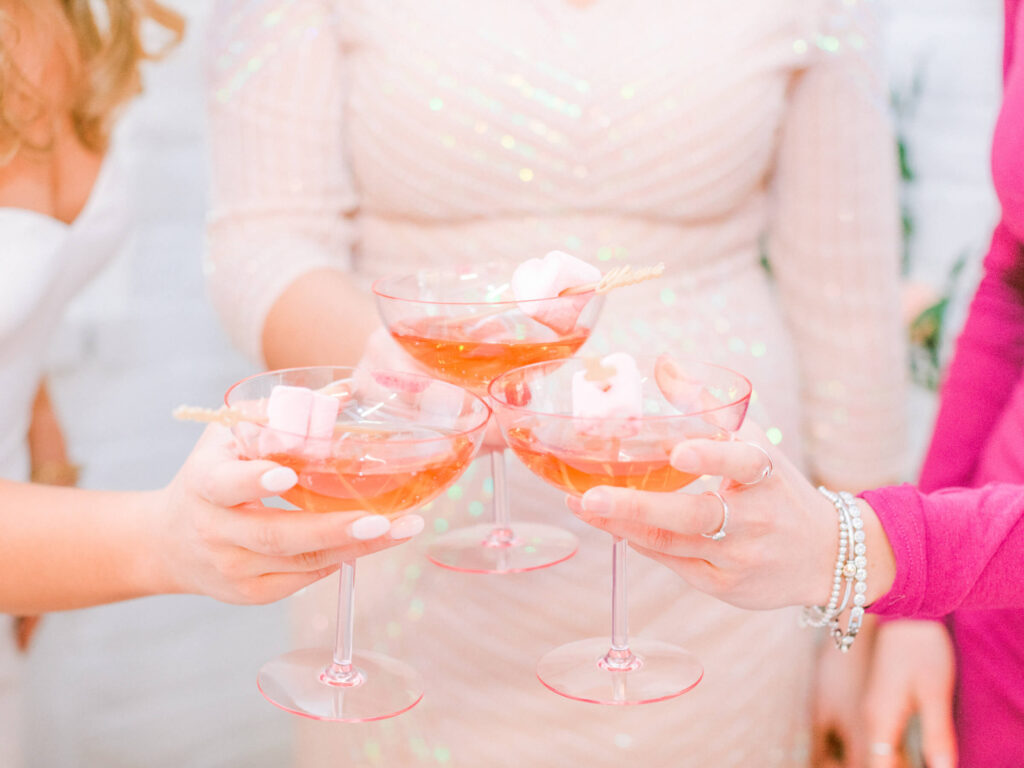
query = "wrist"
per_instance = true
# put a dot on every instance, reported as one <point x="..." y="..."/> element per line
<point x="822" y="566"/>
<point x="881" y="561"/>
<point x="151" y="570"/>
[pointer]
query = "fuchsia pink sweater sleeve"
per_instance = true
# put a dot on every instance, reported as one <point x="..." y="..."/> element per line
<point x="955" y="548"/>
<point x="964" y="548"/>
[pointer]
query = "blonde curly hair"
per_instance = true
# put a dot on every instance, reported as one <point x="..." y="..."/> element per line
<point x="102" y="43"/>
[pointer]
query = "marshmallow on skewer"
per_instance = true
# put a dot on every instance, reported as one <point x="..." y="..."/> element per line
<point x="608" y="389"/>
<point x="295" y="414"/>
<point x="545" y="279"/>
<point x="287" y="419"/>
<point x="442" y="405"/>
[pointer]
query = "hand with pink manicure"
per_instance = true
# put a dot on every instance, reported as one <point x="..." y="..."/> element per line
<point x="221" y="541"/>
<point x="206" y="533"/>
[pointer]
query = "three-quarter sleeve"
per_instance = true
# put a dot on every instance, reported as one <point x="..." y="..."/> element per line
<point x="958" y="548"/>
<point x="281" y="189"/>
<point x="834" y="246"/>
<point x="986" y="366"/>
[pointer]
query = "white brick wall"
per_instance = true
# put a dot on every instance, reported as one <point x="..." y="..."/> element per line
<point x="170" y="681"/>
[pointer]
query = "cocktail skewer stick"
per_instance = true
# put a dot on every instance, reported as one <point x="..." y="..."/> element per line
<point x="231" y="416"/>
<point x="223" y="415"/>
<point x="617" y="277"/>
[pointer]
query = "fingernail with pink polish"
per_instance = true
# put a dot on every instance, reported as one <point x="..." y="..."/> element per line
<point x="279" y="479"/>
<point x="369" y="527"/>
<point x="597" y="501"/>
<point x="407" y="526"/>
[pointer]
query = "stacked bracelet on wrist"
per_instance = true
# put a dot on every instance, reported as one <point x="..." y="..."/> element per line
<point x="851" y="568"/>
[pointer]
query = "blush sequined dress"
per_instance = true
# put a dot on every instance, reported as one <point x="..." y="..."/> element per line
<point x="379" y="137"/>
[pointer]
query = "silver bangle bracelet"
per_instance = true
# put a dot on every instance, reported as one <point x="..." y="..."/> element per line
<point x="851" y="567"/>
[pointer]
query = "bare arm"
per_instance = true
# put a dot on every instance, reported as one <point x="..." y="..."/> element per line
<point x="205" y="533"/>
<point x="64" y="548"/>
<point x="322" y="318"/>
<point x="283" y="196"/>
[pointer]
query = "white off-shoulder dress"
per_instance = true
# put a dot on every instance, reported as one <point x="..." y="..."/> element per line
<point x="43" y="264"/>
<point x="717" y="137"/>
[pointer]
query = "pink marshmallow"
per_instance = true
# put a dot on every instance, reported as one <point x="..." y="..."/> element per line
<point x="299" y="419"/>
<point x="322" y="417"/>
<point x="272" y="442"/>
<point x="287" y="419"/>
<point x="288" y="409"/>
<point x="323" y="414"/>
<point x="441" y="405"/>
<point x="545" y="279"/>
<point x="616" y="396"/>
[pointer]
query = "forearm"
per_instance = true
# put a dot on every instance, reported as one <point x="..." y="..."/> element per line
<point x="953" y="549"/>
<point x="63" y="548"/>
<point x="322" y="318"/>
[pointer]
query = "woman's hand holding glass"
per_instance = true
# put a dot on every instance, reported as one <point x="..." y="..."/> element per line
<point x="213" y="536"/>
<point x="781" y="535"/>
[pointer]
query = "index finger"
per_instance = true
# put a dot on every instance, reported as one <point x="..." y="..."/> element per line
<point x="683" y="513"/>
<point x="739" y="460"/>
<point x="283" y="532"/>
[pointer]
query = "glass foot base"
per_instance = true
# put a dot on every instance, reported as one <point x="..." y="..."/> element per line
<point x="292" y="682"/>
<point x="658" y="671"/>
<point x="475" y="550"/>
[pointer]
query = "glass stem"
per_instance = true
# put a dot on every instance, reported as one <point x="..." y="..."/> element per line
<point x="620" y="612"/>
<point x="501" y="534"/>
<point x="341" y="672"/>
<point x="619" y="657"/>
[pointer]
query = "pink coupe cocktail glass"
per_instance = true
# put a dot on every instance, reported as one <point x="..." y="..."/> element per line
<point x="465" y="327"/>
<point x="534" y="407"/>
<point x="399" y="440"/>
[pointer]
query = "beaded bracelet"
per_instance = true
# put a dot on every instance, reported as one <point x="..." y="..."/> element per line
<point x="821" y="616"/>
<point x="852" y="570"/>
<point x="860" y="562"/>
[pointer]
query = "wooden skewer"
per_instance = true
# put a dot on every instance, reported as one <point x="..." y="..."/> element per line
<point x="230" y="416"/>
<point x="222" y="415"/>
<point x="617" y="277"/>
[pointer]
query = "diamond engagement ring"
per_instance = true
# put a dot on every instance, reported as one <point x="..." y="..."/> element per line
<point x="768" y="469"/>
<point x="720" y="533"/>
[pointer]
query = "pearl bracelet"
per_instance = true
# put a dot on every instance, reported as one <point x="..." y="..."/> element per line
<point x="860" y="575"/>
<point x="818" y="616"/>
<point x="852" y="569"/>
